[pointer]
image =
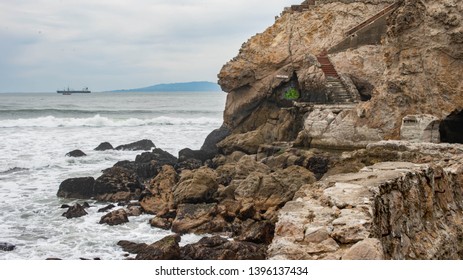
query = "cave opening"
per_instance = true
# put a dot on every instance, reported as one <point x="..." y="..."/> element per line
<point x="451" y="128"/>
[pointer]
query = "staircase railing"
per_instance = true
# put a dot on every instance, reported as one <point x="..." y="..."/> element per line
<point x="371" y="19"/>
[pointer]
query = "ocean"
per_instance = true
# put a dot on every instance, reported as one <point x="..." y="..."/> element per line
<point x="36" y="132"/>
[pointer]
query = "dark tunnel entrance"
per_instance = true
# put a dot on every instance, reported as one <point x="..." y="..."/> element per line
<point x="451" y="128"/>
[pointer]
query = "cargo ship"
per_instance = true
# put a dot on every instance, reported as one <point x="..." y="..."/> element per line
<point x="70" y="91"/>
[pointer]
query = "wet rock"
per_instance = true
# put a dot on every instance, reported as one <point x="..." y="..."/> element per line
<point x="158" y="196"/>
<point x="160" y="156"/>
<point x="104" y="147"/>
<point x="198" y="218"/>
<point x="161" y="223"/>
<point x="4" y="246"/>
<point x="132" y="247"/>
<point x="75" y="211"/>
<point x="115" y="218"/>
<point x="189" y="164"/>
<point x="79" y="188"/>
<point x="165" y="249"/>
<point x="76" y="153"/>
<point x="210" y="143"/>
<point x="106" y="208"/>
<point x="117" y="184"/>
<point x="134" y="211"/>
<point x="218" y="248"/>
<point x="148" y="165"/>
<point x="142" y="145"/>
<point x="196" y="186"/>
<point x="257" y="231"/>
<point x="188" y="153"/>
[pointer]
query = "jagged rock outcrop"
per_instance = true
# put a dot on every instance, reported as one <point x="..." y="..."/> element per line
<point x="390" y="210"/>
<point x="410" y="71"/>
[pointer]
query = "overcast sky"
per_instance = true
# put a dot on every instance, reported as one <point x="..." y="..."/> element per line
<point x="117" y="44"/>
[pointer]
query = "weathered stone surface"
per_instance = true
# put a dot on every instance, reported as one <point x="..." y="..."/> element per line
<point x="218" y="248"/>
<point x="391" y="210"/>
<point x="104" y="147"/>
<point x="117" y="184"/>
<point x="75" y="211"/>
<point x="162" y="223"/>
<point x="76" y="153"/>
<point x="132" y="247"/>
<point x="392" y="75"/>
<point x="142" y="145"/>
<point x="160" y="197"/>
<point x="196" y="186"/>
<point x="115" y="218"/>
<point x="79" y="188"/>
<point x="164" y="249"/>
<point x="198" y="218"/>
<point x="267" y="191"/>
<point x="367" y="249"/>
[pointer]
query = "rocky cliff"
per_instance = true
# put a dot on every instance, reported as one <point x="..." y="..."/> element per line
<point x="406" y="62"/>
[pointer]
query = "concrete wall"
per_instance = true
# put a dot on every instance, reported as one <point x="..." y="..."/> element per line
<point x="420" y="128"/>
<point x="368" y="35"/>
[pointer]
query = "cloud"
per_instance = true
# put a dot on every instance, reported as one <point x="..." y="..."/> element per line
<point x="110" y="44"/>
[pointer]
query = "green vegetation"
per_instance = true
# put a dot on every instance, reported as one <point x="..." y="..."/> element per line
<point x="292" y="94"/>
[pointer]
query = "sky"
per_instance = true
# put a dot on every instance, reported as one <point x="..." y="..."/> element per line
<point x="47" y="45"/>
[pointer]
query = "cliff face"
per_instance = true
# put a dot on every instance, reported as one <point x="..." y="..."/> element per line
<point x="409" y="66"/>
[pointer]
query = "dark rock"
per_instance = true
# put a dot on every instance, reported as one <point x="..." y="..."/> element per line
<point x="132" y="247"/>
<point x="318" y="165"/>
<point x="210" y="144"/>
<point x="198" y="218"/>
<point x="53" y="259"/>
<point x="142" y="170"/>
<point x="76" y="153"/>
<point x="158" y="197"/>
<point x="162" y="223"/>
<point x="79" y="188"/>
<point x="64" y="206"/>
<point x="106" y="209"/>
<point x="142" y="145"/>
<point x="218" y="248"/>
<point x="115" y="218"/>
<point x="257" y="231"/>
<point x="188" y="153"/>
<point x="164" y="249"/>
<point x="189" y="164"/>
<point x="4" y="246"/>
<point x="134" y="211"/>
<point x="75" y="211"/>
<point x="118" y="184"/>
<point x="85" y="205"/>
<point x="104" y="146"/>
<point x="160" y="156"/>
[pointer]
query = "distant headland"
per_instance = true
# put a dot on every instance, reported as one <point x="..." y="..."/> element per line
<point x="172" y="87"/>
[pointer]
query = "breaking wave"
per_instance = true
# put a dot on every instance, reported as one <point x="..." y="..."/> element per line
<point x="99" y="121"/>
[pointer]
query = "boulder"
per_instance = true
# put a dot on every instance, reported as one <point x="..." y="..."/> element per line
<point x="160" y="156"/>
<point x="104" y="147"/>
<point x="196" y="186"/>
<point x="158" y="196"/>
<point x="272" y="190"/>
<point x="165" y="249"/>
<point x="147" y="165"/>
<point x="161" y="223"/>
<point x="142" y="145"/>
<point x="76" y="153"/>
<point x="75" y="211"/>
<point x="117" y="184"/>
<point x="188" y="164"/>
<point x="188" y="153"/>
<point x="210" y="143"/>
<point x="115" y="218"/>
<point x="198" y="218"/>
<point x="219" y="248"/>
<point x="367" y="249"/>
<point x="106" y="208"/>
<point x="257" y="231"/>
<point x="79" y="188"/>
<point x="4" y="246"/>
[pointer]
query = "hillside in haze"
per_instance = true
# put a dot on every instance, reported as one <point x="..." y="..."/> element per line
<point x="190" y="86"/>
